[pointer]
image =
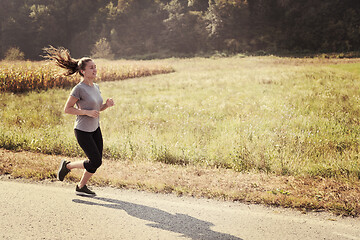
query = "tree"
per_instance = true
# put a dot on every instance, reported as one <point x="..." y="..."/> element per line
<point x="13" y="54"/>
<point x="132" y="27"/>
<point x="227" y="25"/>
<point x="102" y="49"/>
<point x="140" y="27"/>
<point x="198" y="5"/>
<point x="15" y="26"/>
<point x="184" y="30"/>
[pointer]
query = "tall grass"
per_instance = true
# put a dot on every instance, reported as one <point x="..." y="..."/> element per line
<point x="267" y="114"/>
<point x="22" y="76"/>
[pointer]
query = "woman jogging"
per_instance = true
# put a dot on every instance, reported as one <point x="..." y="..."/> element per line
<point x="89" y="103"/>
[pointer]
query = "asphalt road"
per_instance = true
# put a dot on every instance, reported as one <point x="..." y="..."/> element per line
<point x="53" y="211"/>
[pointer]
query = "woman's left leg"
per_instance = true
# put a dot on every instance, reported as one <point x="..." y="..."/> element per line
<point x="97" y="137"/>
<point x="99" y="141"/>
<point x="95" y="159"/>
<point x="84" y="179"/>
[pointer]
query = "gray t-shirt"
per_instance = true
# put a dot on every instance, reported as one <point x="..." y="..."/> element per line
<point x="89" y="99"/>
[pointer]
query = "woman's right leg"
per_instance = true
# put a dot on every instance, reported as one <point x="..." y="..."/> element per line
<point x="86" y="175"/>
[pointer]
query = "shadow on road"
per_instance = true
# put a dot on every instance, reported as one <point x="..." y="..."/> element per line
<point x="178" y="223"/>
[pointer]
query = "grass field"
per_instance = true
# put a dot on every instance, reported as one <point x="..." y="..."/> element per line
<point x="273" y="115"/>
<point x="263" y="115"/>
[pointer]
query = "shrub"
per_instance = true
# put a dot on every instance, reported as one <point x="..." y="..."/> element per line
<point x="13" y="54"/>
<point x="102" y="49"/>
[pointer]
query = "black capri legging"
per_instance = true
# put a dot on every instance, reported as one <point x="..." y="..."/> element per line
<point x="92" y="144"/>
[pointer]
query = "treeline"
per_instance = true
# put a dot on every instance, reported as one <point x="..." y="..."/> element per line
<point x="114" y="29"/>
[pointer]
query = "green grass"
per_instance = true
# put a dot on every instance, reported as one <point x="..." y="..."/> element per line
<point x="258" y="114"/>
<point x="350" y="67"/>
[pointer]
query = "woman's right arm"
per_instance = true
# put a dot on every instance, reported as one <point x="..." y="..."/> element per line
<point x="70" y="109"/>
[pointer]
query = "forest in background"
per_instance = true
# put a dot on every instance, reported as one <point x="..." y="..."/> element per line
<point x="122" y="28"/>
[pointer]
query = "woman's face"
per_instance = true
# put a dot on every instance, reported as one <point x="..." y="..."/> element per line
<point x="90" y="70"/>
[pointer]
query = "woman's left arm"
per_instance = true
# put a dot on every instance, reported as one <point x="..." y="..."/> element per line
<point x="109" y="103"/>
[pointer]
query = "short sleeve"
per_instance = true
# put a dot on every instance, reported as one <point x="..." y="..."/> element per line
<point x="75" y="92"/>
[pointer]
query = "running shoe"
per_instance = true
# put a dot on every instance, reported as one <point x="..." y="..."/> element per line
<point x="63" y="171"/>
<point x="84" y="191"/>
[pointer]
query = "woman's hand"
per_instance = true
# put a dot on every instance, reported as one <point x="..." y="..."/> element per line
<point x="92" y="113"/>
<point x="109" y="102"/>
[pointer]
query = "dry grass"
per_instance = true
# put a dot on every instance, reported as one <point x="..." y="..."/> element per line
<point x="23" y="76"/>
<point x="307" y="194"/>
